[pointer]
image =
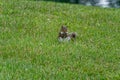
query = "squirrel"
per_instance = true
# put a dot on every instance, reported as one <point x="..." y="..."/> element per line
<point x="65" y="36"/>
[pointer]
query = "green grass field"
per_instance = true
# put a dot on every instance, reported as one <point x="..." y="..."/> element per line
<point x="29" y="48"/>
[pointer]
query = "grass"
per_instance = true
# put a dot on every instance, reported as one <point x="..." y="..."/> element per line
<point x="29" y="49"/>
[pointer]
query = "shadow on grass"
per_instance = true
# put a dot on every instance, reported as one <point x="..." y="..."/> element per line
<point x="60" y="1"/>
<point x="89" y="2"/>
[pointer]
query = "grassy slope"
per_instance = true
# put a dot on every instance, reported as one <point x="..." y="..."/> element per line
<point x="29" y="49"/>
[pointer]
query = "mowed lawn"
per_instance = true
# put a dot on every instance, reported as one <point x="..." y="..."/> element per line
<point x="29" y="48"/>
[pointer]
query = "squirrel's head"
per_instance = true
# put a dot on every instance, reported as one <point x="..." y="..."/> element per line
<point x="63" y="32"/>
<point x="63" y="29"/>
